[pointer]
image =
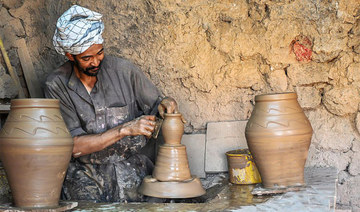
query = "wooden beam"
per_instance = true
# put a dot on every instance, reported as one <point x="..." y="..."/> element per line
<point x="31" y="79"/>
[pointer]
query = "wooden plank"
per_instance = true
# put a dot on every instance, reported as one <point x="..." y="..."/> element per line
<point x="63" y="206"/>
<point x="4" y="108"/>
<point x="31" y="79"/>
<point x="12" y="73"/>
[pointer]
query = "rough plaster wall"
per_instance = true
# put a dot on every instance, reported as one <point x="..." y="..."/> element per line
<point x="214" y="56"/>
<point x="30" y="20"/>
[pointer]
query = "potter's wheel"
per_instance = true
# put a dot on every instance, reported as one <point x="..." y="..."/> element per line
<point x="183" y="189"/>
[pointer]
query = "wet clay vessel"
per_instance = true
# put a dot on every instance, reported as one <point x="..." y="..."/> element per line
<point x="278" y="135"/>
<point x="172" y="128"/>
<point x="172" y="164"/>
<point x="35" y="149"/>
<point x="171" y="177"/>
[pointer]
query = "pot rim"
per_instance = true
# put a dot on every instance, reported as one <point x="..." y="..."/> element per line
<point x="172" y="114"/>
<point x="276" y="96"/>
<point x="35" y="103"/>
<point x="238" y="153"/>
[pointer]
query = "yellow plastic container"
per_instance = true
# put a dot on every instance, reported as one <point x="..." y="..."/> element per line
<point x="242" y="168"/>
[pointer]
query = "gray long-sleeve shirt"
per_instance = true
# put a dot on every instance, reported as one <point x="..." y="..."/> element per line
<point x="121" y="88"/>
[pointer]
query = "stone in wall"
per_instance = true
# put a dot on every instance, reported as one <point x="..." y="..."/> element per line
<point x="331" y="132"/>
<point x="354" y="37"/>
<point x="354" y="168"/>
<point x="244" y="74"/>
<point x="240" y="107"/>
<point x="11" y="28"/>
<point x="356" y="146"/>
<point x="353" y="74"/>
<point x="308" y="97"/>
<point x="333" y="37"/>
<point x="12" y="3"/>
<point x="348" y="194"/>
<point x="235" y="30"/>
<point x="308" y="74"/>
<point x="317" y="157"/>
<point x="348" y="11"/>
<point x="5" y="16"/>
<point x="341" y="100"/>
<point x="7" y="85"/>
<point x="338" y="69"/>
<point x="343" y="176"/>
<point x="277" y="80"/>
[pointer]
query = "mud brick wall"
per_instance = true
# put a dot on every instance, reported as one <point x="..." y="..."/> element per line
<point x="214" y="56"/>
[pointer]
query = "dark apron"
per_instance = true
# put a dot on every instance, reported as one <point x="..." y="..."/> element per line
<point x="111" y="175"/>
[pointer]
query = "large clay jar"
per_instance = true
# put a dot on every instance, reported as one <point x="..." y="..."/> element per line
<point x="172" y="128"/>
<point x="35" y="148"/>
<point x="278" y="135"/>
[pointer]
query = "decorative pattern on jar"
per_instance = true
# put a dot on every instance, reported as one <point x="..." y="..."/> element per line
<point x="278" y="135"/>
<point x="35" y="149"/>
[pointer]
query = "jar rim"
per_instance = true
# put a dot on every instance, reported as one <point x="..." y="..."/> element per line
<point x="276" y="96"/>
<point x="35" y="103"/>
<point x="238" y="153"/>
<point x="172" y="114"/>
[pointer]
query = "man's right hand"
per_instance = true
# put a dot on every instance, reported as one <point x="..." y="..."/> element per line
<point x="87" y="144"/>
<point x="143" y="125"/>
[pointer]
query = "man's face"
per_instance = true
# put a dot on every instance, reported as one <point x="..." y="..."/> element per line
<point x="89" y="62"/>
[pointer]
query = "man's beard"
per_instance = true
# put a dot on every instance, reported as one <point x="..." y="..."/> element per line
<point x="88" y="69"/>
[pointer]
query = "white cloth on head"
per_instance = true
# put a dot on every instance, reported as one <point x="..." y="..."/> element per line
<point x="78" y="29"/>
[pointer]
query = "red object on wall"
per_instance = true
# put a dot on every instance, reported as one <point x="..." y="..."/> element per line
<point x="302" y="48"/>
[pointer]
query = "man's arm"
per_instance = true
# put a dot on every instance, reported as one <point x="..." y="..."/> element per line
<point x="87" y="144"/>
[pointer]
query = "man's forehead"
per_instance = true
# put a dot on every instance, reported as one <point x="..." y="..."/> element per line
<point x="92" y="50"/>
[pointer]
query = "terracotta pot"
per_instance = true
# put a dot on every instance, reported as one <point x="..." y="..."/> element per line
<point x="172" y="164"/>
<point x="172" y="128"/>
<point x="171" y="177"/>
<point x="35" y="148"/>
<point x="278" y="135"/>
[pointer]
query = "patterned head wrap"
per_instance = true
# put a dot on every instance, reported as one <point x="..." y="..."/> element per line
<point x="78" y="29"/>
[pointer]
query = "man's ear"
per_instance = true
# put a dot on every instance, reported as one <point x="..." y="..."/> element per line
<point x="70" y="56"/>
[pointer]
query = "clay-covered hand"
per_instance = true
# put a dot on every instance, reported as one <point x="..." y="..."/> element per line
<point x="169" y="105"/>
<point x="143" y="125"/>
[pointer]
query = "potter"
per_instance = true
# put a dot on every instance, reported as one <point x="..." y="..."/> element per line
<point x="109" y="107"/>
